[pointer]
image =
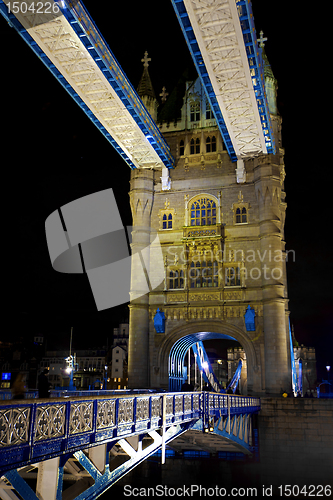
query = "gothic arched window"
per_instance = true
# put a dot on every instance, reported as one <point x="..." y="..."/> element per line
<point x="203" y="212"/>
<point x="210" y="144"/>
<point x="195" y="112"/>
<point x="241" y="215"/>
<point x="167" y="221"/>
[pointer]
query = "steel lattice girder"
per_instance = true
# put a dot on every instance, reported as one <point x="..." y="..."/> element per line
<point x="71" y="46"/>
<point x="222" y="40"/>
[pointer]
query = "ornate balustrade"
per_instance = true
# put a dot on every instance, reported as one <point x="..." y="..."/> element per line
<point x="36" y="430"/>
<point x="221" y="404"/>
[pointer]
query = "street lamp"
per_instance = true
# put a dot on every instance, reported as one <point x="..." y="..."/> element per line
<point x="328" y="372"/>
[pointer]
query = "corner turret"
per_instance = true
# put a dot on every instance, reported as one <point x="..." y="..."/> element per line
<point x="146" y="91"/>
<point x="270" y="80"/>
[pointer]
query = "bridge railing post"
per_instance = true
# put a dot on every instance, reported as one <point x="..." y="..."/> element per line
<point x="229" y="404"/>
<point x="163" y="427"/>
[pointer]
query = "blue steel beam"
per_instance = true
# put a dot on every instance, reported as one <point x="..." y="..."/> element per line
<point x="83" y="25"/>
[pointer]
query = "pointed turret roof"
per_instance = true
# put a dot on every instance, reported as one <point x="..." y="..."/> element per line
<point x="268" y="72"/>
<point x="145" y="86"/>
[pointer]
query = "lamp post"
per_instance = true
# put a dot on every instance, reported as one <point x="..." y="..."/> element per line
<point x="328" y="373"/>
<point x="70" y="361"/>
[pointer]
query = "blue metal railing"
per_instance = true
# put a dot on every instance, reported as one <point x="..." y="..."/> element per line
<point x="36" y="430"/>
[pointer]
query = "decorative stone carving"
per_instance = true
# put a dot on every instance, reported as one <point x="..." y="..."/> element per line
<point x="198" y="297"/>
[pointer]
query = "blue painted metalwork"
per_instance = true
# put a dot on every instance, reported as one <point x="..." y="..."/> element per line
<point x="177" y="355"/>
<point x="294" y="381"/>
<point x="325" y="390"/>
<point x="159" y="321"/>
<point x="255" y="64"/>
<point x="20" y="485"/>
<point x="33" y="431"/>
<point x="83" y="25"/>
<point x="300" y="377"/>
<point x="235" y="379"/>
<point x="249" y="319"/>
<point x="207" y="371"/>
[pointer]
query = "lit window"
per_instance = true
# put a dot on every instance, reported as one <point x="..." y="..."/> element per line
<point x="167" y="221"/>
<point x="203" y="274"/>
<point x="203" y="212"/>
<point x="241" y="215"/>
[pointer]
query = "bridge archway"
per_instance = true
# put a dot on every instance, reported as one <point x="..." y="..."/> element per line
<point x="181" y="338"/>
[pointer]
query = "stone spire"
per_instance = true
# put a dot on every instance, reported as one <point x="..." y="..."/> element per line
<point x="145" y="89"/>
<point x="270" y="80"/>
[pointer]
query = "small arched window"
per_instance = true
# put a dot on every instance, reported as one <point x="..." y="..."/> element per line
<point x="241" y="215"/>
<point x="194" y="146"/>
<point x="167" y="221"/>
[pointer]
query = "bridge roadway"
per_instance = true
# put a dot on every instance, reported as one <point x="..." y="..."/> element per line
<point x="96" y="431"/>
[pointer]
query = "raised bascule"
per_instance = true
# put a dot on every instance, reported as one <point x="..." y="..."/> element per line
<point x="208" y="178"/>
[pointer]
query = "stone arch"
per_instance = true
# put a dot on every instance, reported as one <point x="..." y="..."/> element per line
<point x="205" y="330"/>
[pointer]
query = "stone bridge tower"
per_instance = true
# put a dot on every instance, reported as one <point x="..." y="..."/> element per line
<point x="221" y="231"/>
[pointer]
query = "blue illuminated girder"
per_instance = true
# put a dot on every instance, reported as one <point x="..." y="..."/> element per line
<point x="255" y="64"/>
<point x="93" y="41"/>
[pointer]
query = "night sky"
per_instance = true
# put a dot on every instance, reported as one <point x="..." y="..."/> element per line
<point x="52" y="154"/>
